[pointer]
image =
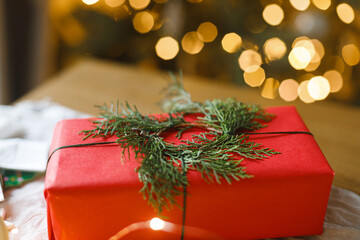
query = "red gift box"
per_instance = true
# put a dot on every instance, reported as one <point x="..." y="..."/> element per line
<point x="91" y="194"/>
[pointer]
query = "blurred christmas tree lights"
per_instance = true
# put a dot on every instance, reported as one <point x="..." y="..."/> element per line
<point x="302" y="49"/>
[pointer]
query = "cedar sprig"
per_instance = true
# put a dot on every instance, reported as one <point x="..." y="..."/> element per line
<point x="214" y="153"/>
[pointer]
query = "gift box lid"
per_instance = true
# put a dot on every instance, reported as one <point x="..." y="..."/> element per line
<point x="286" y="197"/>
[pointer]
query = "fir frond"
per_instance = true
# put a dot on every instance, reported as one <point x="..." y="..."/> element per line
<point x="216" y="154"/>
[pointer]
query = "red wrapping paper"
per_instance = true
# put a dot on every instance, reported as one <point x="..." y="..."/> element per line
<point x="90" y="194"/>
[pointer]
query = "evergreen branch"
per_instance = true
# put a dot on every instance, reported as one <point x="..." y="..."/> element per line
<point x="214" y="153"/>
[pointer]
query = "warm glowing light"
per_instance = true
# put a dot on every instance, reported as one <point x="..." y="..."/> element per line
<point x="307" y="44"/>
<point x="274" y="48"/>
<point x="288" y="90"/>
<point x="90" y="2"/>
<point x="335" y="80"/>
<point x="304" y="93"/>
<point x="270" y="88"/>
<point x="143" y="22"/>
<point x="231" y="42"/>
<point x="254" y="75"/>
<point x="299" y="58"/>
<point x="207" y="32"/>
<point x="273" y="14"/>
<point x="314" y="63"/>
<point x="322" y="4"/>
<point x="319" y="47"/>
<point x="300" y="5"/>
<point x="114" y="3"/>
<point x="299" y="39"/>
<point x="167" y="48"/>
<point x="139" y="4"/>
<point x="318" y="87"/>
<point x="345" y="12"/>
<point x="157" y="224"/>
<point x="191" y="43"/>
<point x="248" y="58"/>
<point x="350" y="54"/>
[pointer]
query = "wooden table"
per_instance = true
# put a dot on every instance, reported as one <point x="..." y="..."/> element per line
<point x="92" y="82"/>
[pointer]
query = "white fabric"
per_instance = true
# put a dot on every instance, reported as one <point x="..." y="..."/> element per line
<point x="26" y="206"/>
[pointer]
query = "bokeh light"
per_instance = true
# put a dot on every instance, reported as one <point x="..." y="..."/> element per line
<point x="114" y="3"/>
<point x="335" y="80"/>
<point x="231" y="42"/>
<point x="157" y="224"/>
<point x="248" y="58"/>
<point x="274" y="48"/>
<point x="139" y="4"/>
<point x="322" y="4"/>
<point x="299" y="58"/>
<point x="318" y="87"/>
<point x="273" y="14"/>
<point x="307" y="44"/>
<point x="314" y="63"/>
<point x="319" y="47"/>
<point x="304" y="93"/>
<point x="300" y="5"/>
<point x="167" y="48"/>
<point x="254" y="75"/>
<point x="207" y="32"/>
<point x="270" y="88"/>
<point x="191" y="43"/>
<point x="345" y="12"/>
<point x="350" y="54"/>
<point x="288" y="90"/>
<point x="143" y="22"/>
<point x="90" y="2"/>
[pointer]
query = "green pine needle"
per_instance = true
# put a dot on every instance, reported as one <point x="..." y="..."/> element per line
<point x="210" y="153"/>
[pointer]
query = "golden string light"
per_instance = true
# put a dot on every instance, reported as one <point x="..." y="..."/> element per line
<point x="191" y="43"/>
<point x="270" y="88"/>
<point x="350" y="54"/>
<point x="90" y="2"/>
<point x="288" y="90"/>
<point x="304" y="93"/>
<point x="322" y="4"/>
<point x="274" y="48"/>
<point x="139" y="4"/>
<point x="254" y="75"/>
<point x="345" y="12"/>
<point x="231" y="42"/>
<point x="300" y="5"/>
<point x="248" y="58"/>
<point x="273" y="14"/>
<point x="318" y="88"/>
<point x="335" y="80"/>
<point x="299" y="58"/>
<point x="114" y="3"/>
<point x="143" y="22"/>
<point x="157" y="224"/>
<point x="207" y="32"/>
<point x="167" y="48"/>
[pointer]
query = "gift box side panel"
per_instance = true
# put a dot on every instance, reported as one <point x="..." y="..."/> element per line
<point x="261" y="208"/>
<point x="94" y="214"/>
<point x="249" y="209"/>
